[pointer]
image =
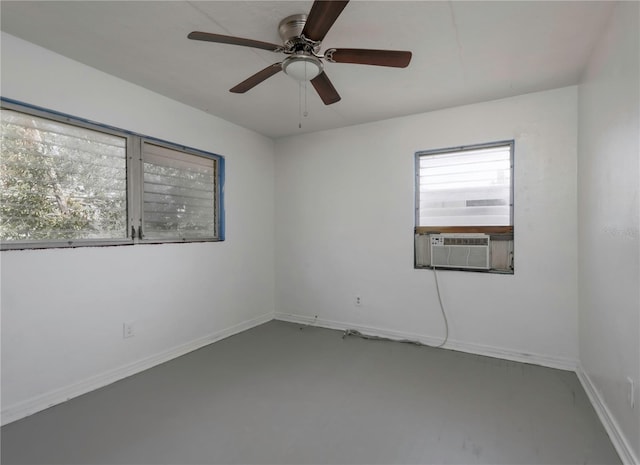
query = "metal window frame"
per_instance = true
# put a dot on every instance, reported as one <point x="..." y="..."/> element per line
<point x="134" y="174"/>
<point x="217" y="192"/>
<point x="464" y="148"/>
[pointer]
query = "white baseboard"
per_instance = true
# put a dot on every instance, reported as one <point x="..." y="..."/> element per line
<point x="36" y="404"/>
<point x="477" y="349"/>
<point x="619" y="440"/>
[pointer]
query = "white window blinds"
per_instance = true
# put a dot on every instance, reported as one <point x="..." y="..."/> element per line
<point x="466" y="187"/>
<point x="179" y="194"/>
<point x="60" y="182"/>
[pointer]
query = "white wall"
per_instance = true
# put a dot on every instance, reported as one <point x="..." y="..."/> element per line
<point x="609" y="219"/>
<point x="344" y="227"/>
<point x="63" y="309"/>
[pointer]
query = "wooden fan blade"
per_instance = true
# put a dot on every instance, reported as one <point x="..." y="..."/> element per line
<point x="221" y="39"/>
<point x="325" y="89"/>
<point x="257" y="78"/>
<point x="321" y="17"/>
<point x="362" y="56"/>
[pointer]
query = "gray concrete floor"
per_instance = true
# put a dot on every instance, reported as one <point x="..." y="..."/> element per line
<point x="278" y="394"/>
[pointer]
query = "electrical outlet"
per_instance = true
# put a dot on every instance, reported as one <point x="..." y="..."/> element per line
<point x="358" y="301"/>
<point x="631" y="394"/>
<point x="127" y="330"/>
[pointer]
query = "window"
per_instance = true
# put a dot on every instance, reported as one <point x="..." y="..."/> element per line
<point x="467" y="190"/>
<point x="61" y="182"/>
<point x="179" y="194"/>
<point x="66" y="182"/>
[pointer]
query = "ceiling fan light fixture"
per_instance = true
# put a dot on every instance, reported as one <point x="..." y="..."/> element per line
<point x="302" y="67"/>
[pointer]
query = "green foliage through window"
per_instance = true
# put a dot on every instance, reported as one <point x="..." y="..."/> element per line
<point x="58" y="181"/>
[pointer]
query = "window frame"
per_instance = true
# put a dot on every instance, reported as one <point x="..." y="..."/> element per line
<point x="492" y="230"/>
<point x="502" y="233"/>
<point x="134" y="181"/>
<point x="217" y="180"/>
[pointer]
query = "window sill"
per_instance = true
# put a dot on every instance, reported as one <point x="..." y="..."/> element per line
<point x="464" y="229"/>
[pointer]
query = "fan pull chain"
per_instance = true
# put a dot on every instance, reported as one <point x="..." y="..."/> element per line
<point x="306" y="113"/>
<point x="299" y="105"/>
<point x="300" y="112"/>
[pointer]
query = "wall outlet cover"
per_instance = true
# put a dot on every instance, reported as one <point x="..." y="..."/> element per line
<point x="128" y="330"/>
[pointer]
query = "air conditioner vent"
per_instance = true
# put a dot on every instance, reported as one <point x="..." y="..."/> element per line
<point x="463" y="251"/>
<point x="466" y="241"/>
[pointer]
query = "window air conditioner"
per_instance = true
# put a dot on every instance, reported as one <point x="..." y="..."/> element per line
<point x="464" y="251"/>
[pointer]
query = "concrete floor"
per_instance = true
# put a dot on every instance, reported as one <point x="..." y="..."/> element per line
<point x="277" y="394"/>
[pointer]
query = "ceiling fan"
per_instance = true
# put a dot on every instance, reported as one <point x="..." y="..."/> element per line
<point x="302" y="36"/>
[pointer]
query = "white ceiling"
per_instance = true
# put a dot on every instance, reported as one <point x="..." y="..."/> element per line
<point x="463" y="52"/>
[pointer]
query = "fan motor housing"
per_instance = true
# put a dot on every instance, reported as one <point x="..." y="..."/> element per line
<point x="290" y="29"/>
